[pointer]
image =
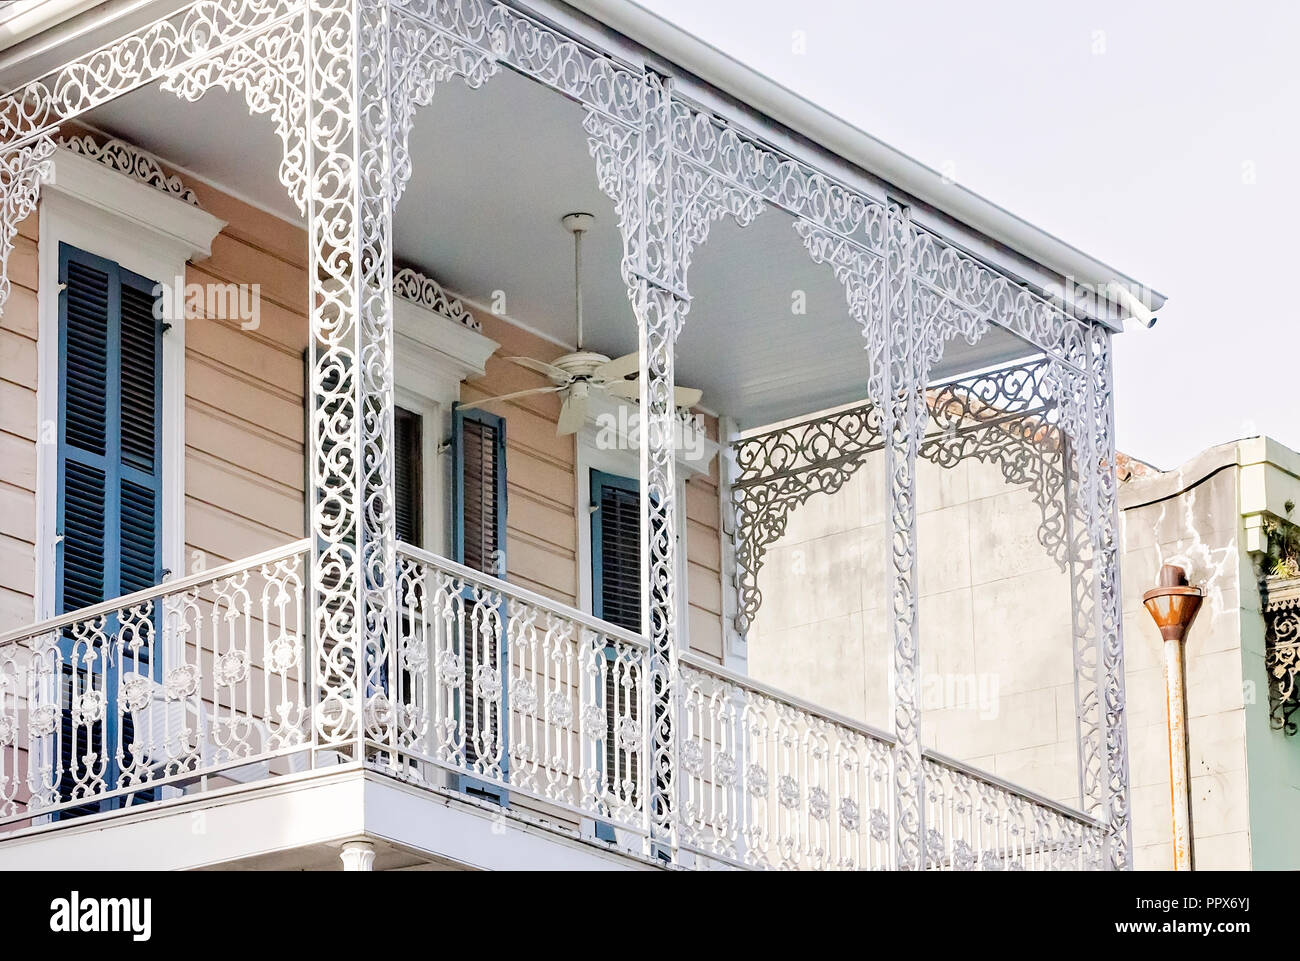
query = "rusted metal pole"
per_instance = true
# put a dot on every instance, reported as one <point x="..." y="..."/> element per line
<point x="1173" y="606"/>
<point x="1179" y="782"/>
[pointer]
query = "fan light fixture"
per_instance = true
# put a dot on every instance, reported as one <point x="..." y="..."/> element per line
<point x="576" y="375"/>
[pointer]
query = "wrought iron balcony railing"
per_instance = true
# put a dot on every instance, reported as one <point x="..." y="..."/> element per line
<point x="155" y="692"/>
<point x="490" y="689"/>
<point x="977" y="822"/>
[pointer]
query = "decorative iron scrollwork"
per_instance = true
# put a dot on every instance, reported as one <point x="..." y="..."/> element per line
<point x="1005" y="416"/>
<point x="1282" y="649"/>
<point x="127" y="158"/>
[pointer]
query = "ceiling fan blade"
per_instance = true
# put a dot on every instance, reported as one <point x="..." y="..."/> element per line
<point x="518" y="393"/>
<point x="546" y="370"/>
<point x="573" y="414"/>
<point x="686" y="396"/>
<point x="619" y="367"/>
<point x="631" y="390"/>
<point x="627" y="389"/>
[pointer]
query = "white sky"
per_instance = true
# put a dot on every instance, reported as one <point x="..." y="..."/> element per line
<point x="1162" y="137"/>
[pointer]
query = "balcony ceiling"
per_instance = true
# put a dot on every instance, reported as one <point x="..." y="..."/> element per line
<point x="495" y="169"/>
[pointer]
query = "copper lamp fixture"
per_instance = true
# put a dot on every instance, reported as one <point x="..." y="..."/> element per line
<point x="1173" y="605"/>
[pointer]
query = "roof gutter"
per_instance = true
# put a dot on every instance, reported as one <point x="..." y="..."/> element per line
<point x="27" y="17"/>
<point x="875" y="156"/>
<point x="40" y="27"/>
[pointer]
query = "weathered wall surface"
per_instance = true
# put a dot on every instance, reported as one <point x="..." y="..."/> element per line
<point x="997" y="680"/>
<point x="997" y="677"/>
<point x="1197" y="529"/>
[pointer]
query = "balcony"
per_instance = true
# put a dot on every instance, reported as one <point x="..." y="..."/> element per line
<point x="208" y="682"/>
<point x="754" y="263"/>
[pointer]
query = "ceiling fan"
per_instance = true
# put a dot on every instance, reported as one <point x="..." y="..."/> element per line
<point x="575" y="376"/>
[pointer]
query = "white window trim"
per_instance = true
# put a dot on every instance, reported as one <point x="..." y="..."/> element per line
<point x="433" y="354"/>
<point x="624" y="460"/>
<point x="109" y="214"/>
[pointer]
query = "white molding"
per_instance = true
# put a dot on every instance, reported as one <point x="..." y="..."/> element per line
<point x="127" y="158"/>
<point x="170" y="222"/>
<point x="435" y="479"/>
<point x="152" y="234"/>
<point x="423" y="291"/>
<point x="302" y="820"/>
<point x="433" y="354"/>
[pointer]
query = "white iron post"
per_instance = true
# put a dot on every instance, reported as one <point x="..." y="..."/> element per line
<point x="349" y="215"/>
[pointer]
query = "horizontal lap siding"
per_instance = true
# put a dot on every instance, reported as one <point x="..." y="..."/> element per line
<point x="19" y="430"/>
<point x="244" y="392"/>
<point x="704" y="557"/>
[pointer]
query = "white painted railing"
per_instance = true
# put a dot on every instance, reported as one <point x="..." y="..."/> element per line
<point x="489" y="688"/>
<point x="769" y="781"/>
<point x="977" y="822"/>
<point x="156" y="692"/>
<point x="513" y="691"/>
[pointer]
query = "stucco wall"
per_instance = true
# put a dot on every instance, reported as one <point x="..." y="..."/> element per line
<point x="997" y="681"/>
<point x="1198" y="530"/>
<point x="994" y="608"/>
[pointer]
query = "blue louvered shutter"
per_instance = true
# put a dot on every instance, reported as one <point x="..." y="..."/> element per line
<point x="479" y="491"/>
<point x="616" y="550"/>
<point x="616" y="598"/>
<point x="109" y="454"/>
<point x="110" y="444"/>
<point x="408" y="476"/>
<point x="479" y="541"/>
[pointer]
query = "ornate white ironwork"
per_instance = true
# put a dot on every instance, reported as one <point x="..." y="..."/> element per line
<point x="570" y="724"/>
<point x="769" y="782"/>
<point x="22" y="171"/>
<point x="410" y="284"/>
<point x="158" y="687"/>
<point x="349" y="228"/>
<point x="966" y="295"/>
<point x="269" y="68"/>
<point x="975" y="822"/>
<point x="129" y="159"/>
<point x="434" y="41"/>
<point x="201" y="32"/>
<point x="1004" y="416"/>
<point x="1104" y="525"/>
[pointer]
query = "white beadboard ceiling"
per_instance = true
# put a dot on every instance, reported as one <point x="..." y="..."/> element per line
<point x="494" y="171"/>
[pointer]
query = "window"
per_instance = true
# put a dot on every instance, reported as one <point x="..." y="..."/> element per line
<point x="108" y="529"/>
<point x="408" y="476"/>
<point x="479" y="508"/>
<point x="616" y="598"/>
<point x="132" y="229"/>
<point x="479" y="542"/>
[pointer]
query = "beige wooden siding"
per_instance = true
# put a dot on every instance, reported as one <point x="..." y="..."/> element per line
<point x="19" y="432"/>
<point x="704" y="558"/>
<point x="244" y="392"/>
